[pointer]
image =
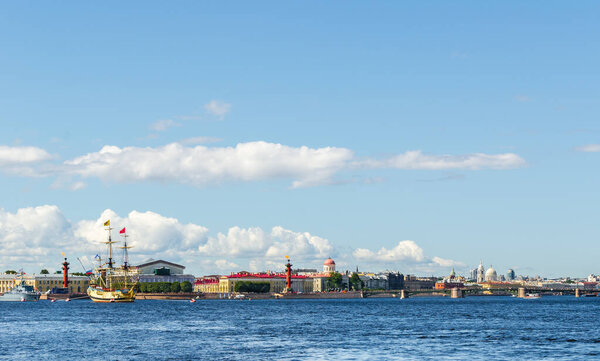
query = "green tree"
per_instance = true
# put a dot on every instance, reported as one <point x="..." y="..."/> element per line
<point x="186" y="286"/>
<point x="334" y="281"/>
<point x="152" y="287"/>
<point x="175" y="287"/>
<point x="143" y="287"/>
<point x="356" y="282"/>
<point x="255" y="287"/>
<point x="165" y="287"/>
<point x="10" y="272"/>
<point x="44" y="272"/>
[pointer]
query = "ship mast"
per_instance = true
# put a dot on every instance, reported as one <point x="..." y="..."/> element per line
<point x="125" y="248"/>
<point x="110" y="262"/>
<point x="109" y="243"/>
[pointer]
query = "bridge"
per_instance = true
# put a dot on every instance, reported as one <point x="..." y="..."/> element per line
<point x="519" y="291"/>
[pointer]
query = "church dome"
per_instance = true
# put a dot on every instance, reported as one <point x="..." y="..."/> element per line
<point x="329" y="262"/>
<point x="490" y="274"/>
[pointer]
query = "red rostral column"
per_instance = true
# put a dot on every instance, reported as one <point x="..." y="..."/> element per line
<point x="288" y="275"/>
<point x="65" y="273"/>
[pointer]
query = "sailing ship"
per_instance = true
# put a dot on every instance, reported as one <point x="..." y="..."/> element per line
<point x="110" y="283"/>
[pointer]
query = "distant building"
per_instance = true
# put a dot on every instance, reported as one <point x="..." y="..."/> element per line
<point x="418" y="283"/>
<point x="47" y="282"/>
<point x="480" y="273"/>
<point x="510" y="275"/>
<point x="226" y="284"/>
<point x="304" y="271"/>
<point x="329" y="266"/>
<point x="7" y="282"/>
<point x="473" y="274"/>
<point x="452" y="281"/>
<point x="491" y="275"/>
<point x="395" y="281"/>
<point x="163" y="271"/>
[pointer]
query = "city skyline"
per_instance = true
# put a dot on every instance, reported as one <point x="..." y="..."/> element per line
<point x="387" y="136"/>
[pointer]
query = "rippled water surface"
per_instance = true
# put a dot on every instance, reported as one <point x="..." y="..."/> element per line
<point x="375" y="329"/>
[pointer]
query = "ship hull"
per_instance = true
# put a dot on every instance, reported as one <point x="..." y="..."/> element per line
<point x="70" y="296"/>
<point x="111" y="296"/>
<point x="17" y="297"/>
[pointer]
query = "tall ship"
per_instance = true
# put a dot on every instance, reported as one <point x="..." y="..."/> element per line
<point x="110" y="283"/>
<point x="21" y="292"/>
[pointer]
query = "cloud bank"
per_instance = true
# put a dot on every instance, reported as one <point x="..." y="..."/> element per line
<point x="189" y="162"/>
<point x="34" y="238"/>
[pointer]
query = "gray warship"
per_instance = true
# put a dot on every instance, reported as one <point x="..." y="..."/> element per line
<point x="21" y="292"/>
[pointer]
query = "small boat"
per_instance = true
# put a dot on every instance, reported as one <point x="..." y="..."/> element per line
<point x="192" y="300"/>
<point x="532" y="296"/>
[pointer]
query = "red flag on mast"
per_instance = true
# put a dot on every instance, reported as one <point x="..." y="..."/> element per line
<point x="122" y="231"/>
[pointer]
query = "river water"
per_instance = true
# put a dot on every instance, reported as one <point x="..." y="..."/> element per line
<point x="474" y="328"/>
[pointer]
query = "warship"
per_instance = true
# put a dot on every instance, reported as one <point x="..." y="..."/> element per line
<point x="21" y="292"/>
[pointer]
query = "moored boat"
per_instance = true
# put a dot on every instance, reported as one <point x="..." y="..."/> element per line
<point x="21" y="293"/>
<point x="531" y="296"/>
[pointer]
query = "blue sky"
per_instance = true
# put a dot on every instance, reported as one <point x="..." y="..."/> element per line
<point x="358" y="83"/>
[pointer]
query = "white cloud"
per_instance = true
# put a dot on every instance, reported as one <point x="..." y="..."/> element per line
<point x="257" y="161"/>
<point x="589" y="148"/>
<point x="19" y="155"/>
<point x="252" y="242"/>
<point x="217" y="108"/>
<point x="417" y="160"/>
<point x="188" y="162"/>
<point x="163" y="124"/>
<point x="201" y="165"/>
<point x="442" y="262"/>
<point x="404" y="251"/>
<point x="237" y="242"/>
<point x="406" y="255"/>
<point x="299" y="244"/>
<point x="151" y="234"/>
<point x="32" y="235"/>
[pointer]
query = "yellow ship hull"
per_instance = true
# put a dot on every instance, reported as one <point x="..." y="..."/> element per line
<point x="100" y="295"/>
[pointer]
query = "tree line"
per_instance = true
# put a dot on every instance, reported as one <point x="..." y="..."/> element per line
<point x="256" y="287"/>
<point x="165" y="287"/>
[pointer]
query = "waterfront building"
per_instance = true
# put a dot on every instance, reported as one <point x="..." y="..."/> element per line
<point x="46" y="282"/>
<point x="7" y="282"/>
<point x="374" y="281"/>
<point x="480" y="273"/>
<point x="510" y="275"/>
<point x="452" y="281"/>
<point x="395" y="281"/>
<point x="418" y="283"/>
<point x="226" y="284"/>
<point x="163" y="271"/>
<point x="491" y="275"/>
